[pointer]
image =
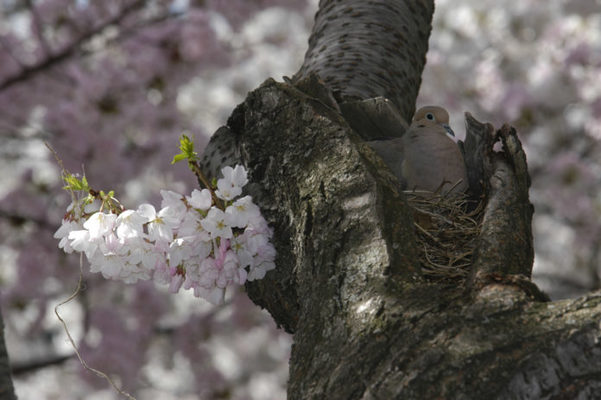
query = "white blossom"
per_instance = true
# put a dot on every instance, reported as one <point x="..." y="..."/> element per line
<point x="190" y="242"/>
<point x="63" y="232"/>
<point x="173" y="204"/>
<point x="81" y="242"/>
<point x="200" y="199"/>
<point x="161" y="224"/>
<point x="242" y="211"/>
<point x="129" y="225"/>
<point x="239" y="246"/>
<point x="216" y="223"/>
<point x="182" y="249"/>
<point x="207" y="273"/>
<point x="230" y="186"/>
<point x="100" y="224"/>
<point x="258" y="271"/>
<point x="109" y="265"/>
<point x="191" y="226"/>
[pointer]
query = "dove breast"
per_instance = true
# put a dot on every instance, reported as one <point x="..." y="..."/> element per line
<point x="425" y="158"/>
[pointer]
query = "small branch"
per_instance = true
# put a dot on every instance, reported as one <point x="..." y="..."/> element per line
<point x="72" y="342"/>
<point x="19" y="219"/>
<point x="202" y="180"/>
<point x="34" y="365"/>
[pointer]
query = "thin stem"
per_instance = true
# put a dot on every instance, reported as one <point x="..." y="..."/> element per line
<point x="77" y="353"/>
<point x="203" y="181"/>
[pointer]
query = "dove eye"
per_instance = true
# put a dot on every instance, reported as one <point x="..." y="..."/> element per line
<point x="430" y="116"/>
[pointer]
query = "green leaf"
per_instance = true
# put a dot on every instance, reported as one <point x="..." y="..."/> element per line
<point x="75" y="184"/>
<point x="186" y="146"/>
<point x="178" y="158"/>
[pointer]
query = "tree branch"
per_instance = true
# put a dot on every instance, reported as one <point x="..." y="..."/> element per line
<point x="365" y="50"/>
<point x="70" y="49"/>
<point x="19" y="219"/>
<point x="34" y="365"/>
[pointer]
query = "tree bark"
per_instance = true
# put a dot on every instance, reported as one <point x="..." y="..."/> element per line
<point x="6" y="384"/>
<point x="367" y="324"/>
<point x="367" y="49"/>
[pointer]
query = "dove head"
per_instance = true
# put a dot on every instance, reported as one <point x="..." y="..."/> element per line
<point x="431" y="116"/>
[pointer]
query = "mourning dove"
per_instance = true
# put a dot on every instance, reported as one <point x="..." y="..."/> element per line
<point x="425" y="158"/>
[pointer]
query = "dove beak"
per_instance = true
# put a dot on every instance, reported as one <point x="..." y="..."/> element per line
<point x="448" y="129"/>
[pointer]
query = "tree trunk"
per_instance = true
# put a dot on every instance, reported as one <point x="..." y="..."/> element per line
<point x="6" y="384"/>
<point x="368" y="323"/>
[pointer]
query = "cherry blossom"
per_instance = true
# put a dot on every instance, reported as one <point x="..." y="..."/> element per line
<point x="63" y="234"/>
<point x="161" y="224"/>
<point x="217" y="224"/>
<point x="181" y="245"/>
<point x="99" y="224"/>
<point x="230" y="186"/>
<point x="242" y="211"/>
<point x="130" y="225"/>
<point x="200" y="199"/>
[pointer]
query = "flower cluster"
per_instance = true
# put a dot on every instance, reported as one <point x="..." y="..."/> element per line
<point x="195" y="241"/>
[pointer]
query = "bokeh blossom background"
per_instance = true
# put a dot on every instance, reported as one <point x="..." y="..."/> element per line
<point x="112" y="84"/>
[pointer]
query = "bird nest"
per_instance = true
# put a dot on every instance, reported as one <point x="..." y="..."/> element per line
<point x="446" y="228"/>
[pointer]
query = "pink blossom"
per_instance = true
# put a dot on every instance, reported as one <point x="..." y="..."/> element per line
<point x="177" y="279"/>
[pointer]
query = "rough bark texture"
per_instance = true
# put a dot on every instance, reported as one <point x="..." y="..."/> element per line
<point x="6" y="384"/>
<point x="348" y="285"/>
<point x="504" y="251"/>
<point x="369" y="48"/>
<point x="365" y="324"/>
<point x="323" y="204"/>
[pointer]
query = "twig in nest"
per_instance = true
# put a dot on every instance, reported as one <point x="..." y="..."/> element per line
<point x="425" y="232"/>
